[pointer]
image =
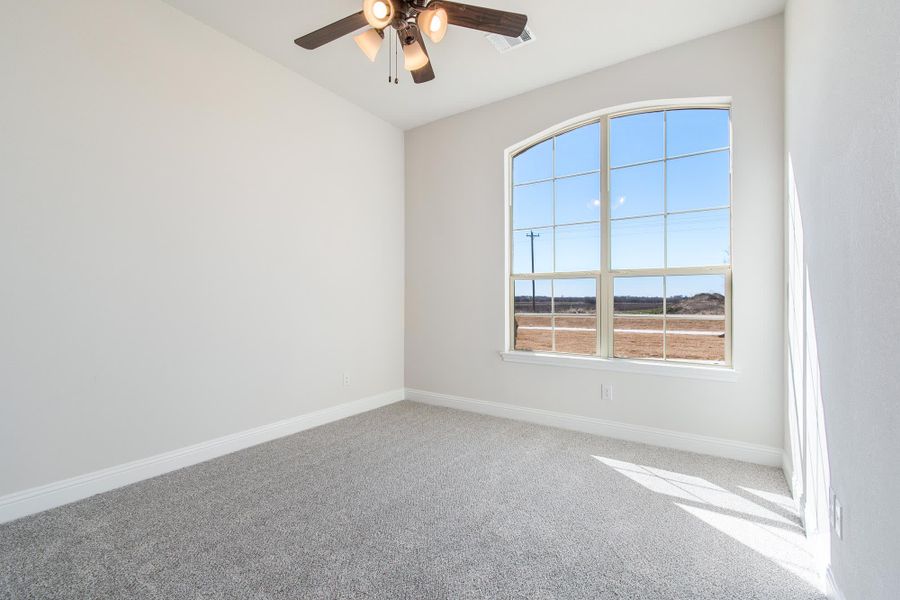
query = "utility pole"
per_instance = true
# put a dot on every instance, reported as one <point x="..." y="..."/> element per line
<point x="532" y="235"/>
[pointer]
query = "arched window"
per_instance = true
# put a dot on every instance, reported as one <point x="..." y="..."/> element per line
<point x="620" y="237"/>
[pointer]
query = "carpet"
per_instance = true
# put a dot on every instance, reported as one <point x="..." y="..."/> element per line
<point x="415" y="501"/>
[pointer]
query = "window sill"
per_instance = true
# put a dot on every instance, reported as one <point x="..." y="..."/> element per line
<point x="642" y="367"/>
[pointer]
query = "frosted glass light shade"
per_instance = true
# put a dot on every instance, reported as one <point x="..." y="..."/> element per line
<point x="433" y="23"/>
<point x="414" y="57"/>
<point x="379" y="13"/>
<point x="369" y="42"/>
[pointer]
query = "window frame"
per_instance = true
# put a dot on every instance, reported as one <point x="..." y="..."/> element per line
<point x="605" y="276"/>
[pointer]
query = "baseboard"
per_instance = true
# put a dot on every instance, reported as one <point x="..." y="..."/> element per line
<point x="689" y="442"/>
<point x="831" y="588"/>
<point x="34" y="500"/>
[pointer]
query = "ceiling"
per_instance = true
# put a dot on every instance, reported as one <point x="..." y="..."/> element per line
<point x="587" y="35"/>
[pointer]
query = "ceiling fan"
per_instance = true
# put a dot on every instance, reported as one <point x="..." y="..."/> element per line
<point x="412" y="18"/>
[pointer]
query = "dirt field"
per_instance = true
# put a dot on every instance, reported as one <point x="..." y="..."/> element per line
<point x="571" y="342"/>
<point x="696" y="347"/>
<point x="630" y="343"/>
<point x="702" y="340"/>
<point x="686" y="347"/>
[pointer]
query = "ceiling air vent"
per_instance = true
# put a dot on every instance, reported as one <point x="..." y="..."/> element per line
<point x="504" y="44"/>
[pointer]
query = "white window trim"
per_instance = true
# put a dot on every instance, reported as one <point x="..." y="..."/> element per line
<point x="669" y="368"/>
<point x="723" y="372"/>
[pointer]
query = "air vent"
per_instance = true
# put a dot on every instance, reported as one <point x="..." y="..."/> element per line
<point x="504" y="44"/>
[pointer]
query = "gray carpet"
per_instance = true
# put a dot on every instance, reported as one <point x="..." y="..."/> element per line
<point x="412" y="501"/>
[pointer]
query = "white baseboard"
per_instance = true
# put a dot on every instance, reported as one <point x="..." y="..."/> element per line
<point x="831" y="588"/>
<point x="34" y="500"/>
<point x="689" y="442"/>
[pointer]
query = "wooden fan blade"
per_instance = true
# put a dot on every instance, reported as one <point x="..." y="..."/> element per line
<point x="484" y="19"/>
<point x="329" y="33"/>
<point x="426" y="73"/>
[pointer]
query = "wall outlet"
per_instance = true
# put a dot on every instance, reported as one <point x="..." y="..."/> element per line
<point x="837" y="516"/>
<point x="606" y="392"/>
<point x="347" y="380"/>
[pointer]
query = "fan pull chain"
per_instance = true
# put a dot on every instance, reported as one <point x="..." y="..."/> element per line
<point x="396" y="62"/>
<point x="390" y="60"/>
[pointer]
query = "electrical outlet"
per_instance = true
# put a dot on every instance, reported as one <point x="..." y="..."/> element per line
<point x="831" y="497"/>
<point x="347" y="380"/>
<point x="606" y="392"/>
<point x="837" y="516"/>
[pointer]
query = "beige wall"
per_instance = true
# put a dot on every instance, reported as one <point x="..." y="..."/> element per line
<point x="455" y="244"/>
<point x="843" y="146"/>
<point x="188" y="233"/>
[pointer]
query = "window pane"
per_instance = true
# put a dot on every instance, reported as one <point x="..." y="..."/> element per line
<point x="578" y="199"/>
<point x="578" y="248"/>
<point x="532" y="326"/>
<point x="635" y="333"/>
<point x="636" y="191"/>
<point x="578" y="151"/>
<point x="699" y="239"/>
<point x="575" y="320"/>
<point x="536" y="336"/>
<point x="696" y="130"/>
<point x="538" y="241"/>
<point x="702" y="181"/>
<point x="575" y="296"/>
<point x="637" y="338"/>
<point x="695" y="295"/>
<point x="638" y="296"/>
<point x="532" y="296"/>
<point x="636" y="138"/>
<point x="534" y="164"/>
<point x="576" y="335"/>
<point x="637" y="243"/>
<point x="533" y="205"/>
<point x="690" y="339"/>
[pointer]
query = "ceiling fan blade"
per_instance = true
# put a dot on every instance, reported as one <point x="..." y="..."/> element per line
<point x="426" y="73"/>
<point x="484" y="19"/>
<point x="329" y="33"/>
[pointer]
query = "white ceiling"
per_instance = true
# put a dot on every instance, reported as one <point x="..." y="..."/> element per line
<point x="586" y="35"/>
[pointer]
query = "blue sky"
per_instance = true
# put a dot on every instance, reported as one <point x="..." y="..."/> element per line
<point x="689" y="183"/>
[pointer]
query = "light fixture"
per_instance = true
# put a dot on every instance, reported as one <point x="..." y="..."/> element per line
<point x="379" y="13"/>
<point x="417" y="23"/>
<point x="433" y="23"/>
<point x="414" y="57"/>
<point x="369" y="42"/>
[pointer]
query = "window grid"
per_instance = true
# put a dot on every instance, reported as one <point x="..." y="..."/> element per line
<point x="665" y="317"/>
<point x="553" y="247"/>
<point x="665" y="224"/>
<point x="553" y="228"/>
<point x="605" y="277"/>
<point x="554" y="314"/>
